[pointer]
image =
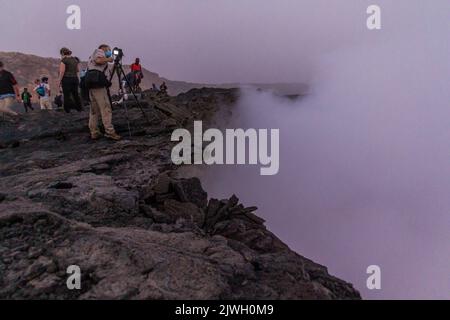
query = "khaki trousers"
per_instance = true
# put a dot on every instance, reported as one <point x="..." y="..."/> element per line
<point x="45" y="103"/>
<point x="5" y="106"/>
<point x="100" y="106"/>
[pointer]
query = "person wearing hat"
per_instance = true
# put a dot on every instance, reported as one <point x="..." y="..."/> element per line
<point x="69" y="69"/>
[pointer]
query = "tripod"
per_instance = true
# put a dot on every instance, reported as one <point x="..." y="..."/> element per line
<point x="118" y="69"/>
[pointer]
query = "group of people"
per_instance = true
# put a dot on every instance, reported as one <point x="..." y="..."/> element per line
<point x="162" y="88"/>
<point x="94" y="84"/>
<point x="134" y="79"/>
<point x="68" y="79"/>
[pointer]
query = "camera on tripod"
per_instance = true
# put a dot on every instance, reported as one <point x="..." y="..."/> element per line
<point x="121" y="76"/>
<point x="117" y="54"/>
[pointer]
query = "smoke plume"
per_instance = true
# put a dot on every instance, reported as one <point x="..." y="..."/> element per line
<point x="364" y="163"/>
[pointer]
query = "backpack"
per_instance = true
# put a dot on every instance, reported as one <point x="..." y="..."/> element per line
<point x="96" y="79"/>
<point x="58" y="100"/>
<point x="41" y="91"/>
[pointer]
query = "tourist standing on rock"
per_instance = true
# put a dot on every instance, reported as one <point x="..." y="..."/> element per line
<point x="44" y="93"/>
<point x="97" y="84"/>
<point x="68" y="80"/>
<point x="26" y="98"/>
<point x="9" y="91"/>
<point x="136" y="66"/>
<point x="163" y="88"/>
<point x="136" y="69"/>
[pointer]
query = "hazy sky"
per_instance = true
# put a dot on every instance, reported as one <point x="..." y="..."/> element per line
<point x="202" y="40"/>
<point x="364" y="161"/>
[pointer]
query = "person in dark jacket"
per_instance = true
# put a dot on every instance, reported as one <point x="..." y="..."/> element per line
<point x="68" y="79"/>
<point x="26" y="98"/>
<point x="9" y="91"/>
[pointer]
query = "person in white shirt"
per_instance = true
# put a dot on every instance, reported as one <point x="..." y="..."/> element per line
<point x="44" y="93"/>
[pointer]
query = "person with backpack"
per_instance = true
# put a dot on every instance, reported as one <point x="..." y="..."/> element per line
<point x="44" y="93"/>
<point x="9" y="91"/>
<point x="26" y="98"/>
<point x="98" y="85"/>
<point x="68" y="80"/>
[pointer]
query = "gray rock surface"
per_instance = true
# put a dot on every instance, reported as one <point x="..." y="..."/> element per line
<point x="121" y="212"/>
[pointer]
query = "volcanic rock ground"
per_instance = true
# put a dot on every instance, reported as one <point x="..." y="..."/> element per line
<point x="126" y="215"/>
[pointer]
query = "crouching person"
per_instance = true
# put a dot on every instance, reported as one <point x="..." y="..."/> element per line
<point x="98" y="84"/>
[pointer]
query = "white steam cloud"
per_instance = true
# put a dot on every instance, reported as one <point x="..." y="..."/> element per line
<point x="364" y="164"/>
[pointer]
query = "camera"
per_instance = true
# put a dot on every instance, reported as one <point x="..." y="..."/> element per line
<point x="117" y="54"/>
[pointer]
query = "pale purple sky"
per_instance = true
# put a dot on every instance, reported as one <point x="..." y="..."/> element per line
<point x="202" y="40"/>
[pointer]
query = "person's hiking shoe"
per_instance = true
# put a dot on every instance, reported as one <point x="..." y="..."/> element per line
<point x="113" y="136"/>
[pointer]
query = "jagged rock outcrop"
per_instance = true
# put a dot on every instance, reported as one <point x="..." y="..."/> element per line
<point x="125" y="215"/>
